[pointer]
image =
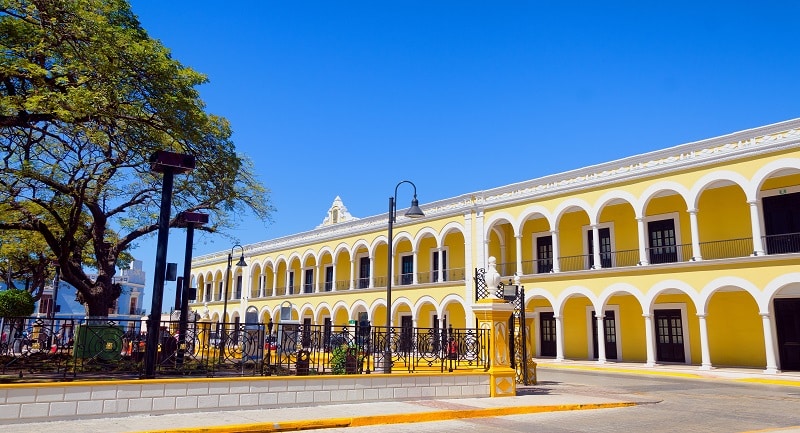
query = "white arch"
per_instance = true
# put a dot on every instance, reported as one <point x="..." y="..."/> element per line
<point x="530" y="211"/>
<point x="340" y="305"/>
<point x="320" y="307"/>
<point x="497" y="217"/>
<point x="351" y="312"/>
<point x="423" y="300"/>
<point x="773" y="287"/>
<point x="706" y="292"/>
<point x="448" y="228"/>
<point x="617" y="288"/>
<point x="654" y="189"/>
<point x="662" y="286"/>
<point x="306" y="310"/>
<point x="402" y="300"/>
<point x="610" y="197"/>
<point x="571" y="291"/>
<point x="402" y="236"/>
<point x="424" y="233"/>
<point x="711" y="178"/>
<point x="321" y="253"/>
<point x="766" y="171"/>
<point x="338" y="251"/>
<point x="452" y="299"/>
<point x="538" y="292"/>
<point x="378" y="241"/>
<point x="306" y="254"/>
<point x="565" y="205"/>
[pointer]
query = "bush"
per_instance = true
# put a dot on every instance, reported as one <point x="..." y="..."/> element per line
<point x="16" y="303"/>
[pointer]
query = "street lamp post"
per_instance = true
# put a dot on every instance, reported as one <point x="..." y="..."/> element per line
<point x="413" y="212"/>
<point x="169" y="164"/>
<point x="190" y="219"/>
<point x="228" y="276"/>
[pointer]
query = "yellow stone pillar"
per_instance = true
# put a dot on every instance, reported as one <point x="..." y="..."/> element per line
<point x="493" y="315"/>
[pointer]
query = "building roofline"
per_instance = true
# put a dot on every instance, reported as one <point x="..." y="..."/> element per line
<point x="767" y="138"/>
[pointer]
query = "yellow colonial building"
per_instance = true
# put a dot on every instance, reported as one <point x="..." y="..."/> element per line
<point x="686" y="255"/>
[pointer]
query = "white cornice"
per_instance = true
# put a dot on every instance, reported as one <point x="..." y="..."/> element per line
<point x="764" y="139"/>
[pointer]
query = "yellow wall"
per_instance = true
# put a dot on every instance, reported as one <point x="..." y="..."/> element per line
<point x="735" y="329"/>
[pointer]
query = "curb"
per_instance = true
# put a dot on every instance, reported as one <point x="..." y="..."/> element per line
<point x="401" y="418"/>
<point x="758" y="380"/>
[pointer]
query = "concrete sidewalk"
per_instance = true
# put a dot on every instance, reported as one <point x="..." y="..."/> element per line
<point x="393" y="412"/>
<point x="339" y="415"/>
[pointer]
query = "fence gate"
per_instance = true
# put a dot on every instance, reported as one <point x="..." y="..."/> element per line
<point x="520" y="347"/>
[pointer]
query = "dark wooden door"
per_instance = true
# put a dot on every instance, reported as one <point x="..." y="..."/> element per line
<point x="787" y="322"/>
<point x="406" y="330"/>
<point x="544" y="254"/>
<point x="662" y="241"/>
<point x="782" y="223"/>
<point x="609" y="332"/>
<point x="547" y="334"/>
<point x="669" y="336"/>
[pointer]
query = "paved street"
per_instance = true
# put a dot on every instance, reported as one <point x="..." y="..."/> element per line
<point x="667" y="404"/>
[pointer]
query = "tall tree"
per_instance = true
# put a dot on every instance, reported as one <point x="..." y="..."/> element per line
<point x="86" y="96"/>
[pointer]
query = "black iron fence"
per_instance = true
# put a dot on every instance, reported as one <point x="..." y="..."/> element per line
<point x="70" y="349"/>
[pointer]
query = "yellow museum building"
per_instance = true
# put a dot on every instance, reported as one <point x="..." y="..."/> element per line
<point x="686" y="255"/>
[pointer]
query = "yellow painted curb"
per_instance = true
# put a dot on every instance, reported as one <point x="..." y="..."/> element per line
<point x="771" y="381"/>
<point x="401" y="418"/>
<point x="622" y="370"/>
<point x="785" y="382"/>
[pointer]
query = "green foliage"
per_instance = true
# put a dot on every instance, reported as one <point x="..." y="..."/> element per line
<point x="16" y="303"/>
<point x="340" y="355"/>
<point x="86" y="96"/>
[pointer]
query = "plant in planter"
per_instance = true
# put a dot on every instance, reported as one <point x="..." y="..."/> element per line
<point x="346" y="360"/>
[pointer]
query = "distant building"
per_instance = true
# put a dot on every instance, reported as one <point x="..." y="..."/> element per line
<point x="127" y="307"/>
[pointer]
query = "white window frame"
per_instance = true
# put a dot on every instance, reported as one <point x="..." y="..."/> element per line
<point x="358" y="277"/>
<point x="444" y="249"/>
<point x="676" y="221"/>
<point x="610" y="227"/>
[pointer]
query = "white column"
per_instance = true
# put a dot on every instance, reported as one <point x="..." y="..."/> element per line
<point x="372" y="271"/>
<point x="649" y="342"/>
<point x="755" y="227"/>
<point x="440" y="265"/>
<point x="414" y="267"/>
<point x="274" y="284"/>
<point x="696" y="254"/>
<point x="480" y="241"/>
<point x="556" y="251"/>
<point x="333" y="277"/>
<point x="559" y="338"/>
<point x="601" y="337"/>
<point x="596" y="248"/>
<point x="705" y="353"/>
<point x="262" y="284"/>
<point x="352" y="274"/>
<point x="316" y="277"/>
<point x="643" y="259"/>
<point x="518" y="239"/>
<point x="769" y="345"/>
<point x="286" y="289"/>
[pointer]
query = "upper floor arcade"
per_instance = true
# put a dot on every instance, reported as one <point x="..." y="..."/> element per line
<point x="724" y="198"/>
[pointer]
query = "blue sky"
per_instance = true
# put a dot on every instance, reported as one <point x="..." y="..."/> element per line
<point x="350" y="97"/>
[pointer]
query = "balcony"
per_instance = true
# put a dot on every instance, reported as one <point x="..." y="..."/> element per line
<point x="711" y="250"/>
